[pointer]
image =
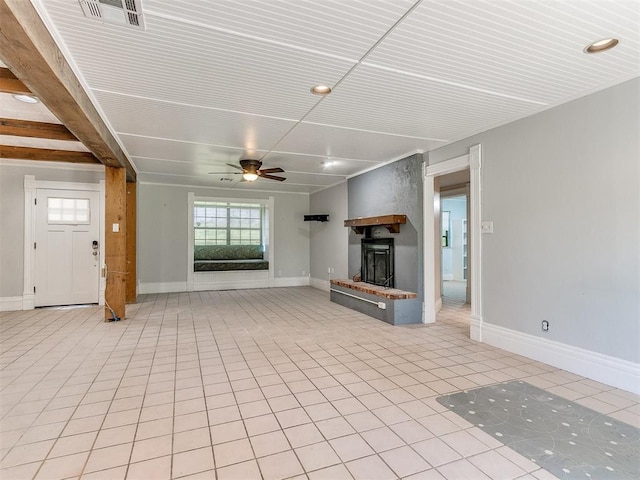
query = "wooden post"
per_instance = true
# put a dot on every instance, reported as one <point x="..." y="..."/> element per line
<point x="131" y="293"/>
<point x="115" y="241"/>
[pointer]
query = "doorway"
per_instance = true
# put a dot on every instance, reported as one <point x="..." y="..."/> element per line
<point x="454" y="245"/>
<point x="63" y="238"/>
<point x="67" y="247"/>
<point x="470" y="161"/>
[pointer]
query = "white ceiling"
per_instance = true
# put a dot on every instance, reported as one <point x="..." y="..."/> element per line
<point x="209" y="82"/>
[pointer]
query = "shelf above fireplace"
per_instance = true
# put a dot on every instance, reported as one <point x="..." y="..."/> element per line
<point x="391" y="222"/>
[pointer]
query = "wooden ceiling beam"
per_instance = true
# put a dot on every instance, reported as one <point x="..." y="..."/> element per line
<point x="27" y="128"/>
<point x="31" y="53"/>
<point x="9" y="83"/>
<point x="47" y="155"/>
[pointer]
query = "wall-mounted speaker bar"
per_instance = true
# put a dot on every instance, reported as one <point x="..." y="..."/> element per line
<point x="316" y="218"/>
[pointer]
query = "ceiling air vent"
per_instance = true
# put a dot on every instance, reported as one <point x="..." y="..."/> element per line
<point x="118" y="12"/>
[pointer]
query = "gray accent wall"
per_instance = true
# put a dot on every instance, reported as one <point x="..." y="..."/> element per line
<point x="12" y="216"/>
<point x="395" y="188"/>
<point x="563" y="190"/>
<point x="163" y="231"/>
<point x="329" y="240"/>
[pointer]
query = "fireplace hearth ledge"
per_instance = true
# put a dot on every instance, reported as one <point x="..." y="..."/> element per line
<point x="378" y="291"/>
<point x="393" y="306"/>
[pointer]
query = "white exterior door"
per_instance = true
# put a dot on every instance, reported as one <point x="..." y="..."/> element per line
<point x="67" y="249"/>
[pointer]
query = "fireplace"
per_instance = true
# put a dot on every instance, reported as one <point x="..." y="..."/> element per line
<point x="377" y="261"/>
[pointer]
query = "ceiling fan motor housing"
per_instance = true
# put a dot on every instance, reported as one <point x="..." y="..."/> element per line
<point x="251" y="166"/>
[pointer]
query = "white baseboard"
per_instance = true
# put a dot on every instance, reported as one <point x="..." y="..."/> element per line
<point x="320" y="284"/>
<point x="475" y="328"/>
<point x="161" y="287"/>
<point x="8" y="304"/>
<point x="209" y="284"/>
<point x="290" y="282"/>
<point x="596" y="366"/>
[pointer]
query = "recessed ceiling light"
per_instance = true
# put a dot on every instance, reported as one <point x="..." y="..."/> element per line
<point x="26" y="98"/>
<point x="321" y="90"/>
<point x="601" y="45"/>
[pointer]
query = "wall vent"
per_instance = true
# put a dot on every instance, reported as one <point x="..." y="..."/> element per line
<point x="119" y="12"/>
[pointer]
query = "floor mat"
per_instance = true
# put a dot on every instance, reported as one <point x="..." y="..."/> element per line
<point x="563" y="437"/>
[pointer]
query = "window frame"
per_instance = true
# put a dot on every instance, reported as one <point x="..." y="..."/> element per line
<point x="207" y="280"/>
<point x="231" y="224"/>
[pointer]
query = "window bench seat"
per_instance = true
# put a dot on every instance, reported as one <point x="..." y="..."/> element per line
<point x="225" y="265"/>
<point x="218" y="258"/>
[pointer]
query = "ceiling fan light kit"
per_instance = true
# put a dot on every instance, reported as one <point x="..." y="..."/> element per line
<point x="251" y="169"/>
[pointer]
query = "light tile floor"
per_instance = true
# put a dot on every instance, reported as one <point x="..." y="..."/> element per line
<point x="270" y="384"/>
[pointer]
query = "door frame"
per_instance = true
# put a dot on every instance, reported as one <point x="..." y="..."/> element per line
<point x="462" y="190"/>
<point x="473" y="161"/>
<point x="31" y="185"/>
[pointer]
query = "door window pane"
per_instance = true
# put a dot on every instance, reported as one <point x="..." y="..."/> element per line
<point x="68" y="211"/>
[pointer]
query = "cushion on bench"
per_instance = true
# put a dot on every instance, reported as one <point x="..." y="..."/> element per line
<point x="228" y="257"/>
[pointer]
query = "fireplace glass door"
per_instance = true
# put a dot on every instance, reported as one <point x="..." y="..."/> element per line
<point x="377" y="261"/>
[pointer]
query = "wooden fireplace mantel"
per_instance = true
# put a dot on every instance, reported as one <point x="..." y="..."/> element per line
<point x="391" y="222"/>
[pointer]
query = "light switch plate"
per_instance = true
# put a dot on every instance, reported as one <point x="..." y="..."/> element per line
<point x="486" y="227"/>
<point x="116" y="227"/>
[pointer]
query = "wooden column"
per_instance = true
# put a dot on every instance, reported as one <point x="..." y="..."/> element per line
<point x="115" y="241"/>
<point x="131" y="292"/>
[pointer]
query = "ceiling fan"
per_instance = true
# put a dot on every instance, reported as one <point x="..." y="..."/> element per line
<point x="250" y="171"/>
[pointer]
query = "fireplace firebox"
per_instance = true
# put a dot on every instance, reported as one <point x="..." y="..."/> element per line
<point x="377" y="261"/>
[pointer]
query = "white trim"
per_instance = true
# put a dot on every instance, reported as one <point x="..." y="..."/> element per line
<point x="8" y="304"/>
<point x="161" y="287"/>
<point x="31" y="185"/>
<point x="472" y="160"/>
<point x="178" y="287"/>
<point x="475" y="328"/>
<point x="320" y="284"/>
<point x="235" y="190"/>
<point x="448" y="166"/>
<point x="548" y="106"/>
<point x="289" y="282"/>
<point x="609" y="370"/>
<point x="87" y="167"/>
<point x="474" y="272"/>
<point x="382" y="164"/>
<point x="194" y="280"/>
<point x="429" y="308"/>
<point x="271" y="212"/>
<point x="190" y="241"/>
<point x="103" y="279"/>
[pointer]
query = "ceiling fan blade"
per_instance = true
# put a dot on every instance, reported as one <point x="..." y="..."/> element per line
<point x="224" y="173"/>
<point x="234" y="166"/>
<point x="272" y="170"/>
<point x="272" y="177"/>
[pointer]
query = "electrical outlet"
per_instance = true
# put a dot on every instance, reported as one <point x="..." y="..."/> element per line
<point x="545" y="326"/>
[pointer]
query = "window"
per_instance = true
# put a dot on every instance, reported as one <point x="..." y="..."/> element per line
<point x="68" y="211"/>
<point x="223" y="223"/>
